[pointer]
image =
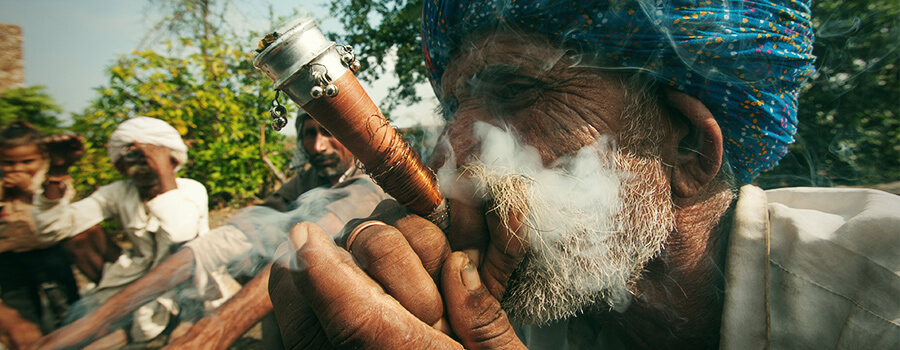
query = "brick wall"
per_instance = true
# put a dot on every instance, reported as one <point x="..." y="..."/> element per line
<point x="12" y="67"/>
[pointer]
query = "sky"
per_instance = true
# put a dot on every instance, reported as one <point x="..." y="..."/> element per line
<point x="68" y="44"/>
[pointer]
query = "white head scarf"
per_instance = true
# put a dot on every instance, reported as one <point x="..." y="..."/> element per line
<point x="146" y="130"/>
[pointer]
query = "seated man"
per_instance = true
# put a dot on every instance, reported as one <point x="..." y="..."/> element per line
<point x="331" y="191"/>
<point x="619" y="213"/>
<point x="157" y="210"/>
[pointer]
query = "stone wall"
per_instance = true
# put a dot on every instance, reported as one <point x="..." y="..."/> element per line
<point x="12" y="66"/>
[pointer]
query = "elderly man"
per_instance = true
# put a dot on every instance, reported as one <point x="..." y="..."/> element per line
<point x="157" y="210"/>
<point x="592" y="159"/>
<point x="330" y="192"/>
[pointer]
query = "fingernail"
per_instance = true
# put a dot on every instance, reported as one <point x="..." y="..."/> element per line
<point x="298" y="235"/>
<point x="474" y="256"/>
<point x="470" y="277"/>
<point x="443" y="326"/>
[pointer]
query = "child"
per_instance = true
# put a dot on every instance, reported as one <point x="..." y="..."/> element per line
<point x="29" y="268"/>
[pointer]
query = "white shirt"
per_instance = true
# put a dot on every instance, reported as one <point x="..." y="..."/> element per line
<point x="806" y="268"/>
<point x="813" y="268"/>
<point x="152" y="227"/>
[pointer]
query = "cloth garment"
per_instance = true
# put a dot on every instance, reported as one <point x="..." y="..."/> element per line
<point x="745" y="60"/>
<point x="256" y="232"/>
<point x="27" y="277"/>
<point x="31" y="268"/>
<point x="807" y="268"/>
<point x="146" y="130"/>
<point x="154" y="229"/>
<point x="17" y="226"/>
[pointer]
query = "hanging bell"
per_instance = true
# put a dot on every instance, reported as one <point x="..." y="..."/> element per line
<point x="279" y="120"/>
<point x="279" y="123"/>
<point x="331" y="90"/>
<point x="316" y="91"/>
<point x="354" y="66"/>
<point x="347" y="57"/>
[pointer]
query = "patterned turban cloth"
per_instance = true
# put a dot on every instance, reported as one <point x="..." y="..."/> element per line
<point x="745" y="60"/>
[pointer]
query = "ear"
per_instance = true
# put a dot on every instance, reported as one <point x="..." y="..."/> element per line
<point x="699" y="155"/>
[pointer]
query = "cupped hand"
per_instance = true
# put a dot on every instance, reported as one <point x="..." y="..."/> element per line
<point x="20" y="335"/>
<point x="64" y="150"/>
<point x="385" y="293"/>
<point x="158" y="158"/>
<point x="19" y="180"/>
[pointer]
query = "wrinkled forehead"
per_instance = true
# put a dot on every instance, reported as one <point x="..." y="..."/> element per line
<point x="529" y="52"/>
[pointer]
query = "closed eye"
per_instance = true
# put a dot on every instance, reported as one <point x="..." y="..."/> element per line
<point x="504" y="90"/>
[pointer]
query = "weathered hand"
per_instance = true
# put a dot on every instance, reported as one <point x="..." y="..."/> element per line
<point x="206" y="338"/>
<point x="395" y="301"/>
<point x="77" y="334"/>
<point x="158" y="158"/>
<point x="64" y="150"/>
<point x="18" y="333"/>
<point x="493" y="239"/>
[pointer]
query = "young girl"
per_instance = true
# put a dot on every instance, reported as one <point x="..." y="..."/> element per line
<point x="29" y="268"/>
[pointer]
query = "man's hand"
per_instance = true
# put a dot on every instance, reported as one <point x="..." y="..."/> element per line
<point x="395" y="301"/>
<point x="158" y="158"/>
<point x="15" y="331"/>
<point x="64" y="150"/>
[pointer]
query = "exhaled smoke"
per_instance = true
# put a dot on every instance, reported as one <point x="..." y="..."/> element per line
<point x="589" y="219"/>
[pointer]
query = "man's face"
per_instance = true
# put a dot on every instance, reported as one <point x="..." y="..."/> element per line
<point x="20" y="164"/>
<point x="326" y="154"/>
<point x="582" y="251"/>
<point x="133" y="164"/>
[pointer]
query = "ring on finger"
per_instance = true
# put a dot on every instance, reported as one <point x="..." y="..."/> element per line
<point x="360" y="228"/>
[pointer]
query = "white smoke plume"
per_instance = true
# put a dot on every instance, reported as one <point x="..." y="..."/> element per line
<point x="589" y="229"/>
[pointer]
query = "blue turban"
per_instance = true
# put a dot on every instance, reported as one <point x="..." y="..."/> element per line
<point x="745" y="60"/>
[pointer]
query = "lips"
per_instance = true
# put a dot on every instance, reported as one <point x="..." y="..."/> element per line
<point x="322" y="160"/>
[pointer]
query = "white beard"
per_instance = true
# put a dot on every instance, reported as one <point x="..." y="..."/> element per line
<point x="592" y="222"/>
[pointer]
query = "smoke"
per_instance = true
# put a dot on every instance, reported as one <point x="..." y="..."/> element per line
<point x="590" y="221"/>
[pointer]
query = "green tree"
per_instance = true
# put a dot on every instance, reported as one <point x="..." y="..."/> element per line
<point x="31" y="104"/>
<point x="202" y="83"/>
<point x="849" y="132"/>
<point x="376" y="29"/>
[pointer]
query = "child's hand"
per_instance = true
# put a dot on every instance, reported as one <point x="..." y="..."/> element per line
<point x="65" y="150"/>
<point x="18" y="180"/>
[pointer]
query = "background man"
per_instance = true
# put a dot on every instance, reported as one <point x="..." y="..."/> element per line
<point x="330" y="191"/>
<point x="657" y="111"/>
<point x="157" y="210"/>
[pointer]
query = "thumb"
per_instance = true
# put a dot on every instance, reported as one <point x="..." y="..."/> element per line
<point x="297" y="323"/>
<point x="474" y="314"/>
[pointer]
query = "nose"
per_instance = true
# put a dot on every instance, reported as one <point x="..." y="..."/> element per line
<point x="321" y="144"/>
<point x="17" y="166"/>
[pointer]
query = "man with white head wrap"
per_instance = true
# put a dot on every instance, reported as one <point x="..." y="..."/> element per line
<point x="330" y="192"/>
<point x="157" y="210"/>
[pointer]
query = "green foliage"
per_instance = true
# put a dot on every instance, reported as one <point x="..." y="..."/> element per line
<point x="849" y="132"/>
<point x="206" y="87"/>
<point x="376" y="29"/>
<point x="31" y="104"/>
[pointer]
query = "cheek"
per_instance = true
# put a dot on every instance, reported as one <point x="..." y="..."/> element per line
<point x="556" y="132"/>
<point x="460" y="137"/>
<point x="35" y="167"/>
<point x="309" y="146"/>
